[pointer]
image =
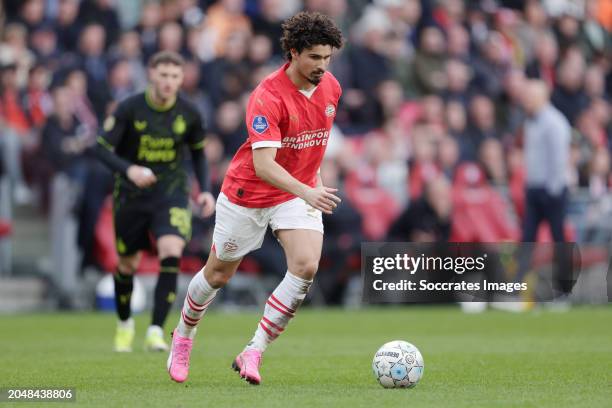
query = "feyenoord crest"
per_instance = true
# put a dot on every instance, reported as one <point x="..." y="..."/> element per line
<point x="179" y="126"/>
<point x="330" y="110"/>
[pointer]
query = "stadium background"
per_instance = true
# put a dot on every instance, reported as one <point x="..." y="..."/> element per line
<point x="431" y="90"/>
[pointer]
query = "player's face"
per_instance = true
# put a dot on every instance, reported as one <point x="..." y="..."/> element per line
<point x="166" y="79"/>
<point x="313" y="62"/>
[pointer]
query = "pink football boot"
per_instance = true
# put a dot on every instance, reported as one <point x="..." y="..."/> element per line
<point x="178" y="360"/>
<point x="247" y="365"/>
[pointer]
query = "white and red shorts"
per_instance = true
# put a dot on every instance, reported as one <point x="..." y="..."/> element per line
<point x="240" y="230"/>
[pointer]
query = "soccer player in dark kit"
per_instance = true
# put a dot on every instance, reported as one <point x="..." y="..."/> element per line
<point x="143" y="143"/>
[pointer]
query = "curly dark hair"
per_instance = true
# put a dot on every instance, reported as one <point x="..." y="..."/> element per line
<point x="306" y="29"/>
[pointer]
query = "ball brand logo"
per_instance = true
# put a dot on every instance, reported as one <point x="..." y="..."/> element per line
<point x="330" y="110"/>
<point x="387" y="354"/>
<point x="260" y="124"/>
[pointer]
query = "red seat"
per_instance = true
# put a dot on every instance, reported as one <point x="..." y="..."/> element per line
<point x="5" y="228"/>
<point x="420" y="174"/>
<point x="377" y="207"/>
<point x="480" y="214"/>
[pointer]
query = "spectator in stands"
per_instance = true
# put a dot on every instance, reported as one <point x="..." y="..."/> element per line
<point x="492" y="66"/>
<point x="14" y="51"/>
<point x="37" y="101"/>
<point x="229" y="126"/>
<point x="448" y="155"/>
<point x="225" y="18"/>
<point x="430" y="62"/>
<point x="268" y="23"/>
<point x="15" y="134"/>
<point x="458" y="43"/>
<point x="95" y="65"/>
<point x="32" y="14"/>
<point x="456" y="122"/>
<point x="491" y="157"/>
<point x="150" y="20"/>
<point x="101" y="12"/>
<point x="129" y="48"/>
<point x="343" y="237"/>
<point x="227" y="77"/>
<point x="595" y="40"/>
<point x="427" y="219"/>
<point x="120" y="80"/>
<point x="567" y="30"/>
<point x="511" y="112"/>
<point x="458" y="76"/>
<point x="170" y="37"/>
<point x="44" y="45"/>
<point x="543" y="66"/>
<point x="568" y="95"/>
<point x="368" y="66"/>
<point x="193" y="91"/>
<point x="594" y="82"/>
<point x="65" y="142"/>
<point x="260" y="51"/>
<point x="533" y="30"/>
<point x="76" y="81"/>
<point x="67" y="26"/>
<point x="482" y="126"/>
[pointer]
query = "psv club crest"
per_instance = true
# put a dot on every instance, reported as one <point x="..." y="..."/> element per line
<point x="330" y="110"/>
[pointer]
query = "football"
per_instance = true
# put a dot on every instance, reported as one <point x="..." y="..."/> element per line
<point x="398" y="364"/>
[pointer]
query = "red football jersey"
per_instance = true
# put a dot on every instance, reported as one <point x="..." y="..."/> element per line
<point x="279" y="115"/>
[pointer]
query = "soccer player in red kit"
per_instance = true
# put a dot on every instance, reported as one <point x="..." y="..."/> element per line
<point x="273" y="180"/>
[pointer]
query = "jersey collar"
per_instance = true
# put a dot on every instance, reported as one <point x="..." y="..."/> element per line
<point x="156" y="107"/>
<point x="289" y="82"/>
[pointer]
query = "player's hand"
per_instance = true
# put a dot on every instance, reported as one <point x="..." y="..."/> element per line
<point x="207" y="202"/>
<point x="322" y="198"/>
<point x="141" y="176"/>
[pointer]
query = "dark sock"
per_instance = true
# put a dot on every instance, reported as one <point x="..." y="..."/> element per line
<point x="165" y="290"/>
<point x="123" y="294"/>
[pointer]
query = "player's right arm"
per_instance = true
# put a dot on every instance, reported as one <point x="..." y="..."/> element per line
<point x="114" y="129"/>
<point x="266" y="168"/>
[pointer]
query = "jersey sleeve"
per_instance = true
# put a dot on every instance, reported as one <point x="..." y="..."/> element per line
<point x="114" y="127"/>
<point x="195" y="139"/>
<point x="197" y="132"/>
<point x="262" y="119"/>
<point x="113" y="131"/>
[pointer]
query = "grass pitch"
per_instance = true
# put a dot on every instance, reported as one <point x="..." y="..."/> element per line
<point x="494" y="359"/>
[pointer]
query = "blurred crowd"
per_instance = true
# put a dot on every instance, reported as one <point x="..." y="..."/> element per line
<point x="432" y="97"/>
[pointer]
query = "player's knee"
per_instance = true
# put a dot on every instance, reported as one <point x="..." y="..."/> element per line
<point x="170" y="248"/>
<point x="217" y="276"/>
<point x="127" y="266"/>
<point x="305" y="268"/>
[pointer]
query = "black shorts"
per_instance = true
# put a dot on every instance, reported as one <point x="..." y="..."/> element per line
<point x="139" y="220"/>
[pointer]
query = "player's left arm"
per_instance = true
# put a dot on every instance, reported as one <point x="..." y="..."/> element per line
<point x="200" y="167"/>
